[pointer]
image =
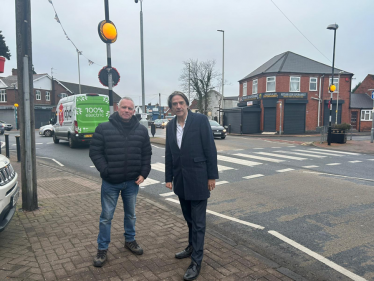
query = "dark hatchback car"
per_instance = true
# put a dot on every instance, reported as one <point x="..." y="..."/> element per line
<point x="1" y="129"/>
<point x="217" y="129"/>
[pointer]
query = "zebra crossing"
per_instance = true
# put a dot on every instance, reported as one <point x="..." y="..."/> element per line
<point x="254" y="158"/>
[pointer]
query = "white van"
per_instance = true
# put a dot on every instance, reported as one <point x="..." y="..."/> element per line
<point x="78" y="116"/>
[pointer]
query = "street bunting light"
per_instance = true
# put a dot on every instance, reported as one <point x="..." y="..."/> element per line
<point x="332" y="87"/>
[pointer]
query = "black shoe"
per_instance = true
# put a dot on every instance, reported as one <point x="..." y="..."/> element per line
<point x="134" y="247"/>
<point x="192" y="272"/>
<point x="100" y="258"/>
<point x="185" y="253"/>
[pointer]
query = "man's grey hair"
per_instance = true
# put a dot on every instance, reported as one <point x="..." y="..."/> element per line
<point x="126" y="98"/>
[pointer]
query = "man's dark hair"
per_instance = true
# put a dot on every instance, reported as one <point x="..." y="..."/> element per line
<point x="176" y="93"/>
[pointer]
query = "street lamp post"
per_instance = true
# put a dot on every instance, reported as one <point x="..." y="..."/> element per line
<point x="223" y="72"/>
<point x="142" y="56"/>
<point x="332" y="86"/>
<point x="372" y="118"/>
<point x="79" y="71"/>
<point x="280" y="117"/>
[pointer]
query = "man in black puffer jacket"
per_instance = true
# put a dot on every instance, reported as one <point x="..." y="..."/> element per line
<point x="121" y="151"/>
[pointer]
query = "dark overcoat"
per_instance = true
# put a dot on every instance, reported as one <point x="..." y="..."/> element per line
<point x="190" y="167"/>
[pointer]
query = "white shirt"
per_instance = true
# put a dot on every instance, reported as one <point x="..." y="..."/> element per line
<point x="180" y="131"/>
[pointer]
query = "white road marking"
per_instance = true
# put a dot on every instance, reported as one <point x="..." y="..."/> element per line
<point x="259" y="148"/>
<point x="158" y="146"/>
<point x="223" y="168"/>
<point x="311" y="166"/>
<point x="253" y="176"/>
<point x="39" y="143"/>
<point x="285" y="170"/>
<point x="318" y="153"/>
<point x="318" y="257"/>
<point x="333" y="164"/>
<point x="167" y="194"/>
<point x="221" y="182"/>
<point x="148" y="181"/>
<point x="158" y="167"/>
<point x="92" y="166"/>
<point x="259" y="157"/>
<point x="371" y="159"/>
<point x="356" y="161"/>
<point x="335" y="151"/>
<point x="301" y="154"/>
<point x="276" y="147"/>
<point x="225" y="217"/>
<point x="236" y="149"/>
<point x="291" y="146"/>
<point x="57" y="162"/>
<point x="237" y="161"/>
<point x="163" y="156"/>
<point x="51" y="159"/>
<point x="50" y="142"/>
<point x="340" y="176"/>
<point x="281" y="156"/>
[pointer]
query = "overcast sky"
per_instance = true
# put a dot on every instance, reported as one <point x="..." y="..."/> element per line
<point x="179" y="30"/>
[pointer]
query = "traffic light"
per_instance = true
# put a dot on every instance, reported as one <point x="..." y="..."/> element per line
<point x="332" y="88"/>
<point x="107" y="31"/>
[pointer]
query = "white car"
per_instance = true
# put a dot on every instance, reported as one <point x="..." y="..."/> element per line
<point x="9" y="192"/>
<point x="46" y="130"/>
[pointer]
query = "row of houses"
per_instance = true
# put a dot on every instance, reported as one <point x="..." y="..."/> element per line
<point x="290" y="93"/>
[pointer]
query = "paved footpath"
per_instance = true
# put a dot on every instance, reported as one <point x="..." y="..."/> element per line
<point x="58" y="241"/>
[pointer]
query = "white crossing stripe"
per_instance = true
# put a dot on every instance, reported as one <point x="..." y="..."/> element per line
<point x="221" y="182"/>
<point x="253" y="176"/>
<point x="148" y="181"/>
<point x="333" y="164"/>
<point x="92" y="166"/>
<point x="356" y="161"/>
<point x="259" y="157"/>
<point x="301" y="154"/>
<point x="311" y="166"/>
<point x="39" y="143"/>
<point x="237" y="161"/>
<point x="259" y="148"/>
<point x="276" y="147"/>
<point x="281" y="156"/>
<point x="291" y="146"/>
<point x="371" y="159"/>
<point x="167" y="194"/>
<point x="158" y="167"/>
<point x="318" y="153"/>
<point x="335" y="151"/>
<point x="285" y="170"/>
<point x="223" y="168"/>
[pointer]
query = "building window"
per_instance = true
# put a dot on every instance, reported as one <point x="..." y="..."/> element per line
<point x="336" y="83"/>
<point x="312" y="84"/>
<point x="63" y="95"/>
<point x="2" y="95"/>
<point x="254" y="86"/>
<point x="38" y="95"/>
<point x="47" y="96"/>
<point x="366" y="115"/>
<point x="294" y="84"/>
<point x="270" y="84"/>
<point x="245" y="89"/>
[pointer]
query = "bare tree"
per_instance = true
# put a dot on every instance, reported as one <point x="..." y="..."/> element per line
<point x="201" y="77"/>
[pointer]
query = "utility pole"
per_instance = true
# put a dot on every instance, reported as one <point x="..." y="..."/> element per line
<point x="159" y="98"/>
<point x="189" y="80"/>
<point x="109" y="63"/>
<point x="26" y="105"/>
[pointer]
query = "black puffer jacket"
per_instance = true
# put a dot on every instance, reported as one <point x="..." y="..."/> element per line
<point x="118" y="156"/>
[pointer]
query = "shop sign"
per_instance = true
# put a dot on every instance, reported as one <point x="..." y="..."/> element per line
<point x="268" y="95"/>
<point x="249" y="98"/>
<point x="292" y="95"/>
<point x="249" y="103"/>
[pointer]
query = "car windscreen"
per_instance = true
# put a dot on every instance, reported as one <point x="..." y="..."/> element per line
<point x="214" y="123"/>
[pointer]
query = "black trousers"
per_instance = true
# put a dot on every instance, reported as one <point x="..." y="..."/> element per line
<point x="194" y="212"/>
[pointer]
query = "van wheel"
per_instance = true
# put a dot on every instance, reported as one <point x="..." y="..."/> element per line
<point x="55" y="139"/>
<point x="72" y="143"/>
<point x="48" y="133"/>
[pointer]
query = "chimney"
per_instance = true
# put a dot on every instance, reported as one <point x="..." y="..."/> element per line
<point x="14" y="72"/>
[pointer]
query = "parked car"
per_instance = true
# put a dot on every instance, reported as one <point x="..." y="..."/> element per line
<point x="217" y="129"/>
<point x="9" y="192"/>
<point x="7" y="126"/>
<point x="46" y="130"/>
<point x="2" y="129"/>
<point x="161" y="123"/>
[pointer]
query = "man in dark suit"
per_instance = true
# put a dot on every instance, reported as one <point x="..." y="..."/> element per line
<point x="191" y="166"/>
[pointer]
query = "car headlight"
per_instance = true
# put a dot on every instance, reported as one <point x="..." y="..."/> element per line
<point x="224" y="130"/>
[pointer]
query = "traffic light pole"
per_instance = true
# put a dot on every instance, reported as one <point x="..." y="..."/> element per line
<point x="332" y="83"/>
<point x="109" y="63"/>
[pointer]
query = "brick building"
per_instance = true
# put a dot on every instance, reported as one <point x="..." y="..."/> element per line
<point x="293" y="87"/>
<point x="46" y="94"/>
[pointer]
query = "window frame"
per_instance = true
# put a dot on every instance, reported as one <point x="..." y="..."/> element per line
<point x="297" y="77"/>
<point x="3" y="96"/>
<point x="254" y="85"/>
<point x="310" y="82"/>
<point x="275" y="84"/>
<point x="245" y="92"/>
<point x="47" y="96"/>
<point x="363" y="115"/>
<point x="38" y="94"/>
<point x="337" y="84"/>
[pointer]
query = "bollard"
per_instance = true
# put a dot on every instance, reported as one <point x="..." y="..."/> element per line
<point x="241" y="129"/>
<point x="153" y="129"/>
<point x="18" y="149"/>
<point x="229" y="128"/>
<point x="7" y="145"/>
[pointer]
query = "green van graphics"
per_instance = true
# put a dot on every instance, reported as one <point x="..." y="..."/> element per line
<point x="78" y="116"/>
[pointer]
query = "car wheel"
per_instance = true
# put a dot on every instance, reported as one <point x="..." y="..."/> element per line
<point x="48" y="133"/>
<point x="72" y="143"/>
<point x="55" y="139"/>
<point x="223" y="137"/>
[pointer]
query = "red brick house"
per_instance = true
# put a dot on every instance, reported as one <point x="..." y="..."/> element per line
<point x="294" y="87"/>
<point x="46" y="93"/>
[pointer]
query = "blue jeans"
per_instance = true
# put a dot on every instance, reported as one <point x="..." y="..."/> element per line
<point x="109" y="197"/>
